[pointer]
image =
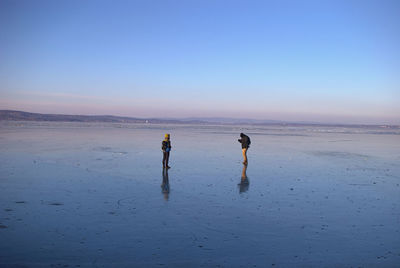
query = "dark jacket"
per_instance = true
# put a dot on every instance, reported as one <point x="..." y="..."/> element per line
<point x="165" y="145"/>
<point x="245" y="141"/>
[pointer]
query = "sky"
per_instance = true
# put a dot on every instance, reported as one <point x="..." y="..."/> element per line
<point x="315" y="61"/>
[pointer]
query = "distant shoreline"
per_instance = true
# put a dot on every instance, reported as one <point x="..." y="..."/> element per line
<point x="12" y="115"/>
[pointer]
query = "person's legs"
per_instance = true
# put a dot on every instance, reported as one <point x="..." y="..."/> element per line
<point x="244" y="151"/>
<point x="164" y="158"/>
<point x="167" y="159"/>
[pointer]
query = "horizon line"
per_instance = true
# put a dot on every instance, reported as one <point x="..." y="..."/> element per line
<point x="204" y="119"/>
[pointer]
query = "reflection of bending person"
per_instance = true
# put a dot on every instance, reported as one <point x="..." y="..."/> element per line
<point x="245" y="141"/>
<point x="165" y="184"/>
<point x="244" y="182"/>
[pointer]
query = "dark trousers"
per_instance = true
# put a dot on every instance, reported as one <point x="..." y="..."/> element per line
<point x="165" y="159"/>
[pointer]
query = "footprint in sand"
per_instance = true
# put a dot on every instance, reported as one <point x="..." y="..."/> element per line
<point x="56" y="204"/>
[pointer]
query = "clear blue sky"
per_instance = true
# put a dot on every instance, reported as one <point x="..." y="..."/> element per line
<point x="326" y="61"/>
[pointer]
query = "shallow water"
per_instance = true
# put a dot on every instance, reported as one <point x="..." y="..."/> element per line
<point x="95" y="195"/>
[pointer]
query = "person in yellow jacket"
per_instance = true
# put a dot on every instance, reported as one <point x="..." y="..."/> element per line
<point x="166" y="148"/>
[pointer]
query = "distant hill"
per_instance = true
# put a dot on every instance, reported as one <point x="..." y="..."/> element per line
<point x="10" y="115"/>
<point x="228" y="120"/>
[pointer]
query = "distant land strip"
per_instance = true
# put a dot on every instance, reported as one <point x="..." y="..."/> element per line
<point x="11" y="115"/>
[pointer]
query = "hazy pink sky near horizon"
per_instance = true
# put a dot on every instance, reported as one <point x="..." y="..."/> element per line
<point x="154" y="107"/>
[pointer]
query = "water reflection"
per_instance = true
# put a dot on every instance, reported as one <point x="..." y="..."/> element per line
<point x="165" y="184"/>
<point x="244" y="182"/>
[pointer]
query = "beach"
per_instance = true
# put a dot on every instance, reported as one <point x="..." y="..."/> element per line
<point x="95" y="195"/>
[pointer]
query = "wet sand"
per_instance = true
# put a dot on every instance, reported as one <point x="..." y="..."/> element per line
<point x="95" y="195"/>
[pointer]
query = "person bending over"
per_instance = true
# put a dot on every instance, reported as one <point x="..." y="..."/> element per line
<point x="245" y="141"/>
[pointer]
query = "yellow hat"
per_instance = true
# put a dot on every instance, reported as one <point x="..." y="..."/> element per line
<point x="166" y="135"/>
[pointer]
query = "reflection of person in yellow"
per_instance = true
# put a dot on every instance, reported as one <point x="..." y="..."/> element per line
<point x="165" y="184"/>
<point x="244" y="182"/>
<point x="245" y="141"/>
